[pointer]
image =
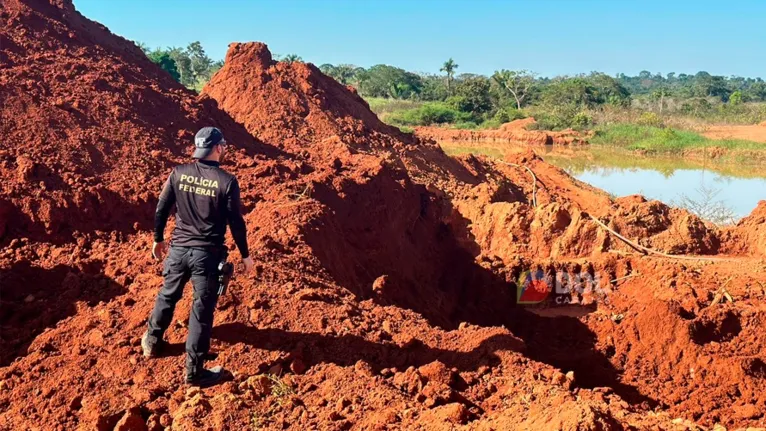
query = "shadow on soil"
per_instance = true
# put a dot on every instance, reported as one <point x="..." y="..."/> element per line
<point x="412" y="249"/>
<point x="563" y="342"/>
<point x="568" y="344"/>
<point x="35" y="298"/>
<point x="346" y="350"/>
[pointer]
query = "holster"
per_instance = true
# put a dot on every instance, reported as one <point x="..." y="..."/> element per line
<point x="225" y="271"/>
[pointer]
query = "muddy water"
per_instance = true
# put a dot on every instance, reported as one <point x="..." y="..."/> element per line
<point x="720" y="191"/>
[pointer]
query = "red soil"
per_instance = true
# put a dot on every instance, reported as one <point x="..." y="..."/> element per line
<point x="513" y="132"/>
<point x="87" y="120"/>
<point x="386" y="290"/>
<point x="754" y="132"/>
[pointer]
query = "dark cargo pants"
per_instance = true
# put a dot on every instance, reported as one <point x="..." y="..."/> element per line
<point x="201" y="266"/>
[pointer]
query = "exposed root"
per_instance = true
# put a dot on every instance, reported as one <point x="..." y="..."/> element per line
<point x="534" y="180"/>
<point x="646" y="250"/>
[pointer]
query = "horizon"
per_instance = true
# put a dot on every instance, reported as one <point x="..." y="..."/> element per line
<point x="351" y="37"/>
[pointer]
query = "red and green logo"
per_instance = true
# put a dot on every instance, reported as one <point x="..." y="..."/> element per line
<point x="533" y="287"/>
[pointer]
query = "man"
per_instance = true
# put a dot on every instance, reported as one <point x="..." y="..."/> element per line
<point x="206" y="199"/>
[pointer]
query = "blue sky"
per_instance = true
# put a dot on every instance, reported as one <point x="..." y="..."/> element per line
<point x="550" y="37"/>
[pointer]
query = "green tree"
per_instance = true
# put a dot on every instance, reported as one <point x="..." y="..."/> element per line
<point x="291" y="58"/>
<point x="449" y="68"/>
<point x="607" y="90"/>
<point x="343" y="73"/>
<point x="163" y="59"/>
<point x="183" y="65"/>
<point x="433" y="88"/>
<point x="200" y="63"/>
<point x="659" y="96"/>
<point x="736" y="98"/>
<point x="144" y="47"/>
<point x="707" y="85"/>
<point x="576" y="91"/>
<point x="516" y="82"/>
<point x="757" y="90"/>
<point x="472" y="95"/>
<point x="387" y="81"/>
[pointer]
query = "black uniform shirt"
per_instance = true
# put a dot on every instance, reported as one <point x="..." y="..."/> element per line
<point x="206" y="199"/>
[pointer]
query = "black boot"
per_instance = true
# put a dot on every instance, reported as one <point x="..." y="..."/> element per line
<point x="199" y="376"/>
<point x="151" y="346"/>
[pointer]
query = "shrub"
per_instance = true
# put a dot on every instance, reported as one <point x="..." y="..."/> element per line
<point x="427" y="114"/>
<point x="561" y="117"/>
<point x="505" y="115"/>
<point x="650" y="119"/>
<point x="381" y="105"/>
<point x="697" y="107"/>
<point x="515" y="114"/>
<point x="581" y="120"/>
<point x="501" y="116"/>
<point x="458" y="103"/>
<point x="491" y="124"/>
<point x="735" y="98"/>
<point x="436" y="113"/>
<point x="470" y="125"/>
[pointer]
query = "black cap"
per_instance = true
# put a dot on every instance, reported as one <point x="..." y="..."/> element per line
<point x="205" y="140"/>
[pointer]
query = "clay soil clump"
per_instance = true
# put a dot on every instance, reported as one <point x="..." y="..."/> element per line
<point x="388" y="287"/>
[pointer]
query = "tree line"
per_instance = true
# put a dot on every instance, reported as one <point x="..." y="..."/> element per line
<point x="524" y="86"/>
<point x="473" y="99"/>
<point x="191" y="66"/>
<point x="562" y="101"/>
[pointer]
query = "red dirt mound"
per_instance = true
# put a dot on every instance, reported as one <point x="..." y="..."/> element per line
<point x="749" y="235"/>
<point x="90" y="130"/>
<point x="387" y="275"/>
<point x="358" y="162"/>
<point x="298" y="107"/>
<point x="89" y="124"/>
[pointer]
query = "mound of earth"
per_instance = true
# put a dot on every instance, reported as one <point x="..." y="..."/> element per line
<point x="91" y="128"/>
<point x="513" y="132"/>
<point x="297" y="105"/>
<point x="89" y="124"/>
<point x="297" y="108"/>
<point x="387" y="293"/>
<point x="521" y="123"/>
<point x="749" y="234"/>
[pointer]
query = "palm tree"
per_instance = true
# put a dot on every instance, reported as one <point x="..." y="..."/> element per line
<point x="291" y="58"/>
<point x="344" y="73"/>
<point x="449" y="68"/>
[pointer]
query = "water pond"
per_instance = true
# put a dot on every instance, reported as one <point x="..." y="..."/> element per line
<point x="722" y="192"/>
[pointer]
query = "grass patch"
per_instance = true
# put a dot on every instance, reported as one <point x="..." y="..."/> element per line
<point x="279" y="388"/>
<point x="663" y="140"/>
<point x="425" y="115"/>
<point x="458" y="150"/>
<point x="382" y="105"/>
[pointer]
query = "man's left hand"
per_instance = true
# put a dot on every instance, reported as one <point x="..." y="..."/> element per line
<point x="159" y="249"/>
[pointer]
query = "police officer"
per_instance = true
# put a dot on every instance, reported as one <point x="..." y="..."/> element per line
<point x="206" y="199"/>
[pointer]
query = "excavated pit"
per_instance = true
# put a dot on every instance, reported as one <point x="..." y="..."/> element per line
<point x="387" y="271"/>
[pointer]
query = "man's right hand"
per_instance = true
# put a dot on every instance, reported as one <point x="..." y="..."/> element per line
<point x="249" y="265"/>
